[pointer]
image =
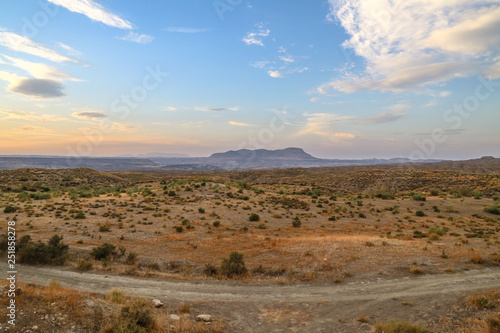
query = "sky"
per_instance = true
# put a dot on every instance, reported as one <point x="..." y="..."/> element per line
<point x="417" y="79"/>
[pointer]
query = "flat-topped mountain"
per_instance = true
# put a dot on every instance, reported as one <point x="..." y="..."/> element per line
<point x="264" y="154"/>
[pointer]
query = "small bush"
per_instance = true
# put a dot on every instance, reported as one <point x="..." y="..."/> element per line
<point x="210" y="270"/>
<point x="254" y="217"/>
<point x="234" y="265"/>
<point x="201" y="210"/>
<point x="179" y="228"/>
<point x="10" y="209"/>
<point x="104" y="252"/>
<point x="416" y="270"/>
<point x="481" y="302"/>
<point x="84" y="265"/>
<point x="418" y="197"/>
<point x="80" y="215"/>
<point x="131" y="258"/>
<point x="115" y="295"/>
<point x="136" y="318"/>
<point x="216" y="223"/>
<point x="171" y="193"/>
<point x="296" y="223"/>
<point x="384" y="194"/>
<point x="392" y="326"/>
<point x="419" y="213"/>
<point x="104" y="228"/>
<point x="492" y="210"/>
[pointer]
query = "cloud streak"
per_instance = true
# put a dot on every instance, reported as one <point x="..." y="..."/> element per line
<point x="23" y="44"/>
<point x="94" y="11"/>
<point x="137" y="38"/>
<point x="256" y="37"/>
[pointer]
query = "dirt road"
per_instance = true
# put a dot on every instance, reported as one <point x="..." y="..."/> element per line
<point x="311" y="307"/>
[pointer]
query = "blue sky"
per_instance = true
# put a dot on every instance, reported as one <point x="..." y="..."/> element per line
<point x="339" y="78"/>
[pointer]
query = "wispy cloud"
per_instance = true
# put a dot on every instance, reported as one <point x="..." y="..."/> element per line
<point x="235" y="123"/>
<point x="321" y="124"/>
<point x="220" y="109"/>
<point x="137" y="38"/>
<point x="88" y="114"/>
<point x="395" y="112"/>
<point x="30" y="116"/>
<point x="256" y="37"/>
<point x="71" y="51"/>
<point x="186" y="30"/>
<point x="23" y="44"/>
<point x="94" y="11"/>
<point x="408" y="44"/>
<point x="279" y="74"/>
<point x="38" y="70"/>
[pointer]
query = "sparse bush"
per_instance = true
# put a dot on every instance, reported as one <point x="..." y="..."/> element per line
<point x="115" y="295"/>
<point x="492" y="210"/>
<point x="201" y="210"/>
<point x="419" y="213"/>
<point x="296" y="223"/>
<point x="80" y="215"/>
<point x="104" y="228"/>
<point x="104" y="252"/>
<point x="131" y="258"/>
<point x="392" y="326"/>
<point x="416" y="270"/>
<point x="234" y="265"/>
<point x="254" y="217"/>
<point x="179" y="228"/>
<point x="384" y="194"/>
<point x="481" y="301"/>
<point x="171" y="193"/>
<point x="10" y="209"/>
<point x="210" y="270"/>
<point x="418" y="197"/>
<point x="84" y="265"/>
<point x="216" y="223"/>
<point x="136" y="318"/>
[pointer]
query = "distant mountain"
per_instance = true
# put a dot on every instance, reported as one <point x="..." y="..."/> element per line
<point x="264" y="154"/>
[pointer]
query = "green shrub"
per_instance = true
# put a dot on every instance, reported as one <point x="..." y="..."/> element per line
<point x="104" y="252"/>
<point x="131" y="258"/>
<point x="254" y="217"/>
<point x="179" y="228"/>
<point x="418" y="197"/>
<point x="201" y="210"/>
<point x="10" y="209"/>
<point x="384" y="194"/>
<point x="80" y="215"/>
<point x="171" y="193"/>
<point x="296" y="223"/>
<point x="216" y="223"/>
<point x="234" y="265"/>
<point x="52" y="253"/>
<point x="492" y="210"/>
<point x="210" y="270"/>
<point x="419" y="213"/>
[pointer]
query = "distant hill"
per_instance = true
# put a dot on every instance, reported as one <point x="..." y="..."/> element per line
<point x="264" y="154"/>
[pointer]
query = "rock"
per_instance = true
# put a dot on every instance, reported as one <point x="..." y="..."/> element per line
<point x="157" y="303"/>
<point x="174" y="317"/>
<point x="204" y="317"/>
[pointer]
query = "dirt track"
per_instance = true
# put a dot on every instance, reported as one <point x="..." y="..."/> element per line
<point x="312" y="307"/>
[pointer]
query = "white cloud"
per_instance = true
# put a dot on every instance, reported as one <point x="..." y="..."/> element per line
<point x="71" y="51"/>
<point x="408" y="44"/>
<point x="186" y="30"/>
<point x="321" y="124"/>
<point x="256" y="37"/>
<point x="275" y="74"/>
<point x="287" y="58"/>
<point x="315" y="99"/>
<point x="170" y="108"/>
<point x="260" y="64"/>
<point x="235" y="123"/>
<point x="94" y="11"/>
<point x="137" y="38"/>
<point x="38" y="70"/>
<point x="24" y="44"/>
